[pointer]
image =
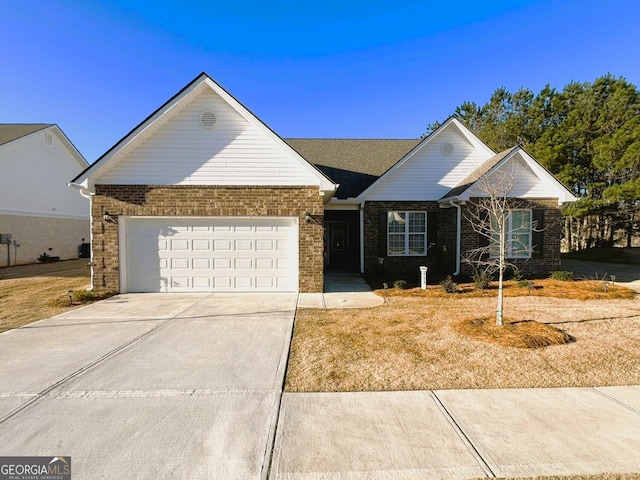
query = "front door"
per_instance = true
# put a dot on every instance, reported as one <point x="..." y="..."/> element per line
<point x="336" y="244"/>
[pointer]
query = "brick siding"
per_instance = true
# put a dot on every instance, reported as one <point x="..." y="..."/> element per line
<point x="403" y="267"/>
<point x="441" y="257"/>
<point x="202" y="201"/>
<point x="537" y="265"/>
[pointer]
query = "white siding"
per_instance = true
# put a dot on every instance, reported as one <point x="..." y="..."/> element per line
<point x="527" y="184"/>
<point x="34" y="176"/>
<point x="234" y="152"/>
<point x="429" y="174"/>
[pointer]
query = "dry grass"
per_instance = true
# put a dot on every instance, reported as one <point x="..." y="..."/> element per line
<point x="33" y="292"/>
<point x="410" y="343"/>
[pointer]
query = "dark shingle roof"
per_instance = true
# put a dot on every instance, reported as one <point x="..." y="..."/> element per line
<point x="353" y="163"/>
<point x="474" y="176"/>
<point x="13" y="131"/>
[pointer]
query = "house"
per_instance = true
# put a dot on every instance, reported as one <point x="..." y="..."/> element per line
<point x="203" y="196"/>
<point x="38" y="213"/>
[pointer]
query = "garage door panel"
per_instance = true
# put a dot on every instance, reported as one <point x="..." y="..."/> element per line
<point x="201" y="245"/>
<point x="180" y="282"/>
<point x="243" y="245"/>
<point x="201" y="263"/>
<point x="264" y="263"/>
<point x="223" y="245"/>
<point x="243" y="264"/>
<point x="211" y="254"/>
<point x="202" y="282"/>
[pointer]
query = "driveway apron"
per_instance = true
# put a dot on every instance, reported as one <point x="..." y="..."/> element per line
<point x="150" y="385"/>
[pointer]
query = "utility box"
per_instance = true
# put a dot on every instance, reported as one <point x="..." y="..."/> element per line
<point x="84" y="250"/>
<point x="5" y="238"/>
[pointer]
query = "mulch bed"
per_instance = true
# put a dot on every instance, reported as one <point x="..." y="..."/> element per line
<point x="520" y="334"/>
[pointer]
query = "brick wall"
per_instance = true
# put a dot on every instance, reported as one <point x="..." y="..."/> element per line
<point x="441" y="257"/>
<point x="537" y="265"/>
<point x="402" y="267"/>
<point x="186" y="201"/>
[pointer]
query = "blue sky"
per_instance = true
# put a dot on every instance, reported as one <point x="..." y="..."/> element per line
<point x="339" y="69"/>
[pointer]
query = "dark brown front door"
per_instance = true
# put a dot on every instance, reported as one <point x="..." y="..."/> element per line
<point x="336" y="242"/>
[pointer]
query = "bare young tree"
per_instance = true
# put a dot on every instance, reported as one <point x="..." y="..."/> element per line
<point x="505" y="227"/>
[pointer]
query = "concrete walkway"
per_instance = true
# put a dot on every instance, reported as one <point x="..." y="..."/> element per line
<point x="341" y="290"/>
<point x="457" y="434"/>
<point x="181" y="386"/>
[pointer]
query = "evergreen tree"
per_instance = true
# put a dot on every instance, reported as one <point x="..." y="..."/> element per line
<point x="588" y="135"/>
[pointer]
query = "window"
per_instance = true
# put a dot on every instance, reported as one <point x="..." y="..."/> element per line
<point x="518" y="235"/>
<point x="407" y="233"/>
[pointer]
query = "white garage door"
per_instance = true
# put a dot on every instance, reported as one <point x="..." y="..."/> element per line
<point x="213" y="254"/>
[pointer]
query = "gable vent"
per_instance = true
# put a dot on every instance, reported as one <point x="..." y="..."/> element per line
<point x="208" y="119"/>
<point x="446" y="148"/>
<point x="48" y="138"/>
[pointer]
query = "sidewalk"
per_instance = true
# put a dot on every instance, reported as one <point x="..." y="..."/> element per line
<point x="457" y="434"/>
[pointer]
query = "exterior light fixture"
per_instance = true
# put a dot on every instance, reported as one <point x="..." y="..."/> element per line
<point x="108" y="218"/>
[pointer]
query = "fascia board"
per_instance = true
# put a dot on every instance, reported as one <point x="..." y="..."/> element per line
<point x="564" y="195"/>
<point x="325" y="183"/>
<point x="87" y="177"/>
<point x="75" y="153"/>
<point x="466" y="195"/>
<point x="451" y="121"/>
<point x="471" y="137"/>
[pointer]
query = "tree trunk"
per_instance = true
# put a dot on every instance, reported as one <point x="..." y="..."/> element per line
<point x="503" y="254"/>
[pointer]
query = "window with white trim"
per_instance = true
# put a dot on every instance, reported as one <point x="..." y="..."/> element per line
<point x="406" y="233"/>
<point x="517" y="233"/>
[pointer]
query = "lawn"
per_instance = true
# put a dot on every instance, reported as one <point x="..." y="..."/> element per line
<point x="415" y="341"/>
<point x="33" y="292"/>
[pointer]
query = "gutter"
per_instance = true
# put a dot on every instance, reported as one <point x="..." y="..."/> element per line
<point x="362" y="237"/>
<point x="458" y="235"/>
<point x="85" y="192"/>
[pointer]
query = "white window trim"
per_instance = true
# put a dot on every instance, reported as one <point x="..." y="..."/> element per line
<point x="406" y="234"/>
<point x="509" y="234"/>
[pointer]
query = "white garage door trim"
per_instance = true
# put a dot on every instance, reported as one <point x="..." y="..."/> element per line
<point x="208" y="254"/>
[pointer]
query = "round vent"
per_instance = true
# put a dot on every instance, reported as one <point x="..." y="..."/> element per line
<point x="447" y="148"/>
<point x="208" y="119"/>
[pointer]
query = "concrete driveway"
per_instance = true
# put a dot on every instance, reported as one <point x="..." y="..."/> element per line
<point x="150" y="386"/>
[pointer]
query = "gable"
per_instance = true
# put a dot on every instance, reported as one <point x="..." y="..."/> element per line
<point x="530" y="179"/>
<point x="431" y="169"/>
<point x="172" y="147"/>
<point x="34" y="170"/>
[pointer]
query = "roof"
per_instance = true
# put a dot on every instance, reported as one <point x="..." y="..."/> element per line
<point x="82" y="180"/>
<point x="353" y="163"/>
<point x="478" y="173"/>
<point x="13" y="131"/>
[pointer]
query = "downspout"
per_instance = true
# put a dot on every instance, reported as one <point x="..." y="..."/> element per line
<point x="458" y="235"/>
<point x="86" y="193"/>
<point x="362" y="237"/>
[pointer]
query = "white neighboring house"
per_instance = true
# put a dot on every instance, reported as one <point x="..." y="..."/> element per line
<point x="37" y="209"/>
